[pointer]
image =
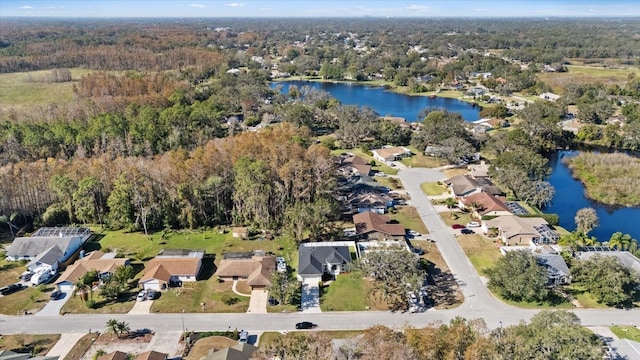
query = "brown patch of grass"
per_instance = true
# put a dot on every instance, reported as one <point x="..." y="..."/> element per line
<point x="449" y="173"/>
<point x="81" y="347"/>
<point x="202" y="346"/>
<point x="482" y="252"/>
<point x="421" y="160"/>
<point x="189" y="298"/>
<point x="123" y="305"/>
<point x="243" y="287"/>
<point x="30" y="299"/>
<point x="577" y="74"/>
<point x="27" y="343"/>
<point x="9" y="271"/>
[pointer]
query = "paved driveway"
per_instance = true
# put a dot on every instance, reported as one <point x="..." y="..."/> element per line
<point x="310" y="299"/>
<point x="258" y="302"/>
<point x="53" y="307"/>
<point x="141" y="307"/>
<point x="65" y="344"/>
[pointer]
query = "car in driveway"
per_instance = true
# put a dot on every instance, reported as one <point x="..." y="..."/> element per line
<point x="457" y="226"/>
<point x="413" y="233"/>
<point x="142" y="295"/>
<point x="243" y="336"/>
<point x="473" y="224"/>
<point x="55" y="295"/>
<point x="417" y="250"/>
<point x="304" y="325"/>
<point x="467" y="231"/>
<point x="152" y="294"/>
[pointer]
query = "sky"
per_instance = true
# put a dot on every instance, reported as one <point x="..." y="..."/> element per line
<point x="319" y="8"/>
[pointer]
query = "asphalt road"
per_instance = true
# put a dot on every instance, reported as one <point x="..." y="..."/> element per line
<point x="479" y="303"/>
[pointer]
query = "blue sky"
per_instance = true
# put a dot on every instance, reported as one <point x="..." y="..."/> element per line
<point x="318" y="8"/>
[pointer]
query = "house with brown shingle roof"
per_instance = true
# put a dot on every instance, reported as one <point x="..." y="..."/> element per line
<point x="372" y="226"/>
<point x="465" y="185"/>
<point x="254" y="267"/>
<point x="152" y="355"/>
<point x="353" y="165"/>
<point x="171" y="267"/>
<point x="522" y="231"/>
<point x="116" y="355"/>
<point x="104" y="263"/>
<point x="485" y="204"/>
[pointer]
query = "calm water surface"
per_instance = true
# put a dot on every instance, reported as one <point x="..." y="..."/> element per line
<point x="386" y="103"/>
<point x="570" y="195"/>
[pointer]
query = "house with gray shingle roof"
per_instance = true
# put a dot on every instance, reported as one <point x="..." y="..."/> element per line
<point x="315" y="261"/>
<point x="557" y="269"/>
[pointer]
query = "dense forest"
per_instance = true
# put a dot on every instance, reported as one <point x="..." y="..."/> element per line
<point x="160" y="130"/>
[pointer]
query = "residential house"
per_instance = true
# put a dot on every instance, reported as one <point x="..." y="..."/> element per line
<point x="476" y="91"/>
<point x="49" y="259"/>
<point x="485" y="204"/>
<point x="315" y="261"/>
<point x="483" y="75"/>
<point x="41" y="246"/>
<point x="104" y="263"/>
<point x="549" y="96"/>
<point x="481" y="170"/>
<point x="522" y="231"/>
<point x="370" y="201"/>
<point x="465" y="185"/>
<point x="171" y="268"/>
<point x="625" y="257"/>
<point x="253" y="267"/>
<point x="391" y="153"/>
<point x="557" y="269"/>
<point x="372" y="226"/>
<point x="353" y="165"/>
<point x="241" y="351"/>
<point x="402" y="122"/>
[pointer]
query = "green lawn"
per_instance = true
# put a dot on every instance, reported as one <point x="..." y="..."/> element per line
<point x="347" y="293"/>
<point x="125" y="302"/>
<point x="421" y="160"/>
<point x="584" y="297"/>
<point x="17" y="90"/>
<point x="408" y="216"/>
<point x="433" y="188"/>
<point x="626" y="332"/>
<point x="481" y="251"/>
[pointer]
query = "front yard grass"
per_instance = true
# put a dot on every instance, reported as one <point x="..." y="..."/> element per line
<point x="390" y="182"/>
<point x="217" y="297"/>
<point x="31" y="299"/>
<point x="122" y="305"/>
<point x="626" y="332"/>
<point x="583" y="297"/>
<point x="444" y="291"/>
<point x="481" y="251"/>
<point x="409" y="217"/>
<point x="36" y="345"/>
<point x="347" y="293"/>
<point x="10" y="271"/>
<point x="418" y="159"/>
<point x="455" y="217"/>
<point x="433" y="188"/>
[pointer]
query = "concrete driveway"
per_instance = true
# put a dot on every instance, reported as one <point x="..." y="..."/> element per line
<point x="65" y="344"/>
<point x="141" y="308"/>
<point x="258" y="302"/>
<point x="53" y="307"/>
<point x="310" y="299"/>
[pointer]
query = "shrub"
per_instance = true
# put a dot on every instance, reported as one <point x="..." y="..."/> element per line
<point x="90" y="303"/>
<point x="229" y="300"/>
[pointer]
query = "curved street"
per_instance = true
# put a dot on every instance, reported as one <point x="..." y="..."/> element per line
<point x="478" y="303"/>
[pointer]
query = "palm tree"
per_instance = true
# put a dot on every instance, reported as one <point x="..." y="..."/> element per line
<point x="451" y="203"/>
<point x="123" y="327"/>
<point x="112" y="326"/>
<point x="619" y="241"/>
<point x="85" y="291"/>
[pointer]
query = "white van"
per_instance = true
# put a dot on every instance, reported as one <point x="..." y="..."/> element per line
<point x="41" y="276"/>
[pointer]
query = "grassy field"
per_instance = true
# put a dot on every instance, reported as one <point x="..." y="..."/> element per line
<point x="433" y="188"/>
<point x="626" y="332"/>
<point x="37" y="345"/>
<point x="408" y="216"/>
<point x="579" y="74"/>
<point x="18" y="91"/>
<point x="481" y="251"/>
<point x="10" y="271"/>
<point x="31" y="299"/>
<point x="81" y="346"/>
<point x="75" y="305"/>
<point x="347" y="293"/>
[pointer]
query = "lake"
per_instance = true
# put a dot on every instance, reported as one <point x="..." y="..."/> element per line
<point x="386" y="103"/>
<point x="570" y="195"/>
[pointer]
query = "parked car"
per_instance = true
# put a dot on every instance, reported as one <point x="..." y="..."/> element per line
<point x="473" y="224"/>
<point x="413" y="233"/>
<point x="152" y="294"/>
<point x="57" y="294"/>
<point x="457" y="226"/>
<point x="142" y="295"/>
<point x="10" y="289"/>
<point x="305" y="325"/>
<point x="243" y="336"/>
<point x="467" y="231"/>
<point x="380" y="174"/>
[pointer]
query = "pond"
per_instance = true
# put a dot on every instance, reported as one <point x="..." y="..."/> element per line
<point x="570" y="194"/>
<point x="386" y="103"/>
<point x="570" y="197"/>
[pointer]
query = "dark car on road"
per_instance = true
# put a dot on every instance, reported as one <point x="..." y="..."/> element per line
<point x="467" y="231"/>
<point x="305" y="325"/>
<point x="458" y="226"/>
